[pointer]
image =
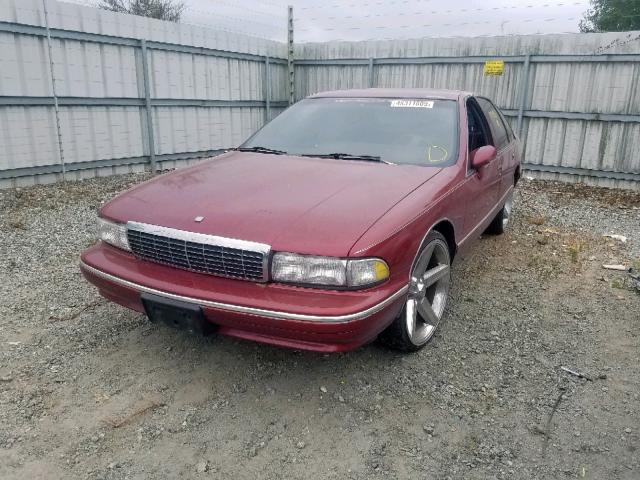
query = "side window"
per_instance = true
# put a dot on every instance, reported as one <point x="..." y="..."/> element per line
<point x="500" y="136"/>
<point x="478" y="131"/>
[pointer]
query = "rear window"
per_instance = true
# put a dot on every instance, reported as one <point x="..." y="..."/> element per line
<point x="402" y="131"/>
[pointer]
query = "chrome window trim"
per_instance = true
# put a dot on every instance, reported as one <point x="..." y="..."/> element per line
<point x="212" y="240"/>
<point x="278" y="315"/>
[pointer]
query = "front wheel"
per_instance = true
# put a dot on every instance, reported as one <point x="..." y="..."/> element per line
<point x="426" y="300"/>
<point x="501" y="221"/>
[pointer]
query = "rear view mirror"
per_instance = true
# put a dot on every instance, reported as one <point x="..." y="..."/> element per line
<point x="483" y="155"/>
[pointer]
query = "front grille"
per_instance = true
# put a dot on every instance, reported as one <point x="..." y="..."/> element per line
<point x="197" y="252"/>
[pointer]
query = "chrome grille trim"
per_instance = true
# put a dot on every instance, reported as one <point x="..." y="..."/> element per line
<point x="198" y="252"/>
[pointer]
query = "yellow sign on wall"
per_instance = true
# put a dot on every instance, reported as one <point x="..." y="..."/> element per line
<point x="494" y="67"/>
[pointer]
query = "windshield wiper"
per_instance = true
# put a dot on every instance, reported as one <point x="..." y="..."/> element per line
<point x="349" y="156"/>
<point x="261" y="150"/>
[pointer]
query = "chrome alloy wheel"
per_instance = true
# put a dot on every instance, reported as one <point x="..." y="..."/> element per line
<point x="506" y="212"/>
<point x="428" y="291"/>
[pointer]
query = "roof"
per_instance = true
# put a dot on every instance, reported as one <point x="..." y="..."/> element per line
<point x="393" y="93"/>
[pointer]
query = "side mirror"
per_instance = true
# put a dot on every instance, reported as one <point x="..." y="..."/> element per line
<point x="483" y="155"/>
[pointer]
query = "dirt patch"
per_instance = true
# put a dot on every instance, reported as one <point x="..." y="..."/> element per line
<point x="91" y="390"/>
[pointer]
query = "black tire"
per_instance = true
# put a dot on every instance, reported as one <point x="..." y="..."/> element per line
<point x="501" y="221"/>
<point x="396" y="335"/>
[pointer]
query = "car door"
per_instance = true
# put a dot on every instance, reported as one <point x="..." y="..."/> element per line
<point x="503" y="142"/>
<point x="511" y="158"/>
<point x="482" y="185"/>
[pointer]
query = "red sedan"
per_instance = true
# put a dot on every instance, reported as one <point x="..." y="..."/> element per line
<point x="334" y="224"/>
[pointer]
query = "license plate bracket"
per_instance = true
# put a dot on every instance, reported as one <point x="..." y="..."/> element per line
<point x="176" y="314"/>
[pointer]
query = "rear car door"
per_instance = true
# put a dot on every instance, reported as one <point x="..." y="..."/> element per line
<point x="511" y="159"/>
<point x="482" y="185"/>
<point x="503" y="140"/>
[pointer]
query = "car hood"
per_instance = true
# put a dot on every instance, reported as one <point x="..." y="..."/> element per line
<point x="301" y="204"/>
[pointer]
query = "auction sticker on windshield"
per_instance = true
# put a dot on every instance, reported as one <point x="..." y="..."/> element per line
<point x="412" y="103"/>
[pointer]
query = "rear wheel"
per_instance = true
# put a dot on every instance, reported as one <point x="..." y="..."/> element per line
<point x="501" y="221"/>
<point x="426" y="300"/>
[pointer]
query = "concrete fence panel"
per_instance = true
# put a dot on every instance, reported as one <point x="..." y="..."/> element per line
<point x="85" y="92"/>
<point x="573" y="98"/>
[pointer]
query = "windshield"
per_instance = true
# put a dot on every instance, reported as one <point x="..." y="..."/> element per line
<point x="400" y="131"/>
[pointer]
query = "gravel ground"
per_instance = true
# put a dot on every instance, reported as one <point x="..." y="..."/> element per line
<point x="91" y="390"/>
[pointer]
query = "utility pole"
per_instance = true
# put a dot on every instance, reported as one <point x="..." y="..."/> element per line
<point x="54" y="92"/>
<point x="290" y="55"/>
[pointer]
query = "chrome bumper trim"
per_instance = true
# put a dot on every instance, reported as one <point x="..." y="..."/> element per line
<point x="250" y="310"/>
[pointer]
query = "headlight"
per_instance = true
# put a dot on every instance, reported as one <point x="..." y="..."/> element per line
<point x="328" y="271"/>
<point x="113" y="233"/>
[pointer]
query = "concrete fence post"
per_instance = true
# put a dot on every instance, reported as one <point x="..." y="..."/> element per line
<point x="290" y="54"/>
<point x="267" y="89"/>
<point x="524" y="94"/>
<point x="147" y="105"/>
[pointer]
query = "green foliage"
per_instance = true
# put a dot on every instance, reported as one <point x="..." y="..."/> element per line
<point x="170" y="10"/>
<point x="611" y="16"/>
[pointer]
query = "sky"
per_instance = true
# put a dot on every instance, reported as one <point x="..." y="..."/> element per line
<point x="381" y="19"/>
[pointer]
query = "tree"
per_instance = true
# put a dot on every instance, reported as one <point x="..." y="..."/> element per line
<point x="170" y="10"/>
<point x="611" y="16"/>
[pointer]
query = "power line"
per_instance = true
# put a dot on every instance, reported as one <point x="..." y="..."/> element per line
<point x="245" y="10"/>
<point x="439" y="24"/>
<point x="404" y="2"/>
<point x="227" y="29"/>
<point x="484" y="35"/>
<point x="367" y="4"/>
<point x="437" y="12"/>
<point x="238" y="19"/>
<point x="316" y="23"/>
<point x="273" y="4"/>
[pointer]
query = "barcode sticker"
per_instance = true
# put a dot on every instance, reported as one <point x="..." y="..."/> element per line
<point x="412" y="103"/>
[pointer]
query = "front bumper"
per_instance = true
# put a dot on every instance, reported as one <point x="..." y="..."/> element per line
<point x="310" y="319"/>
